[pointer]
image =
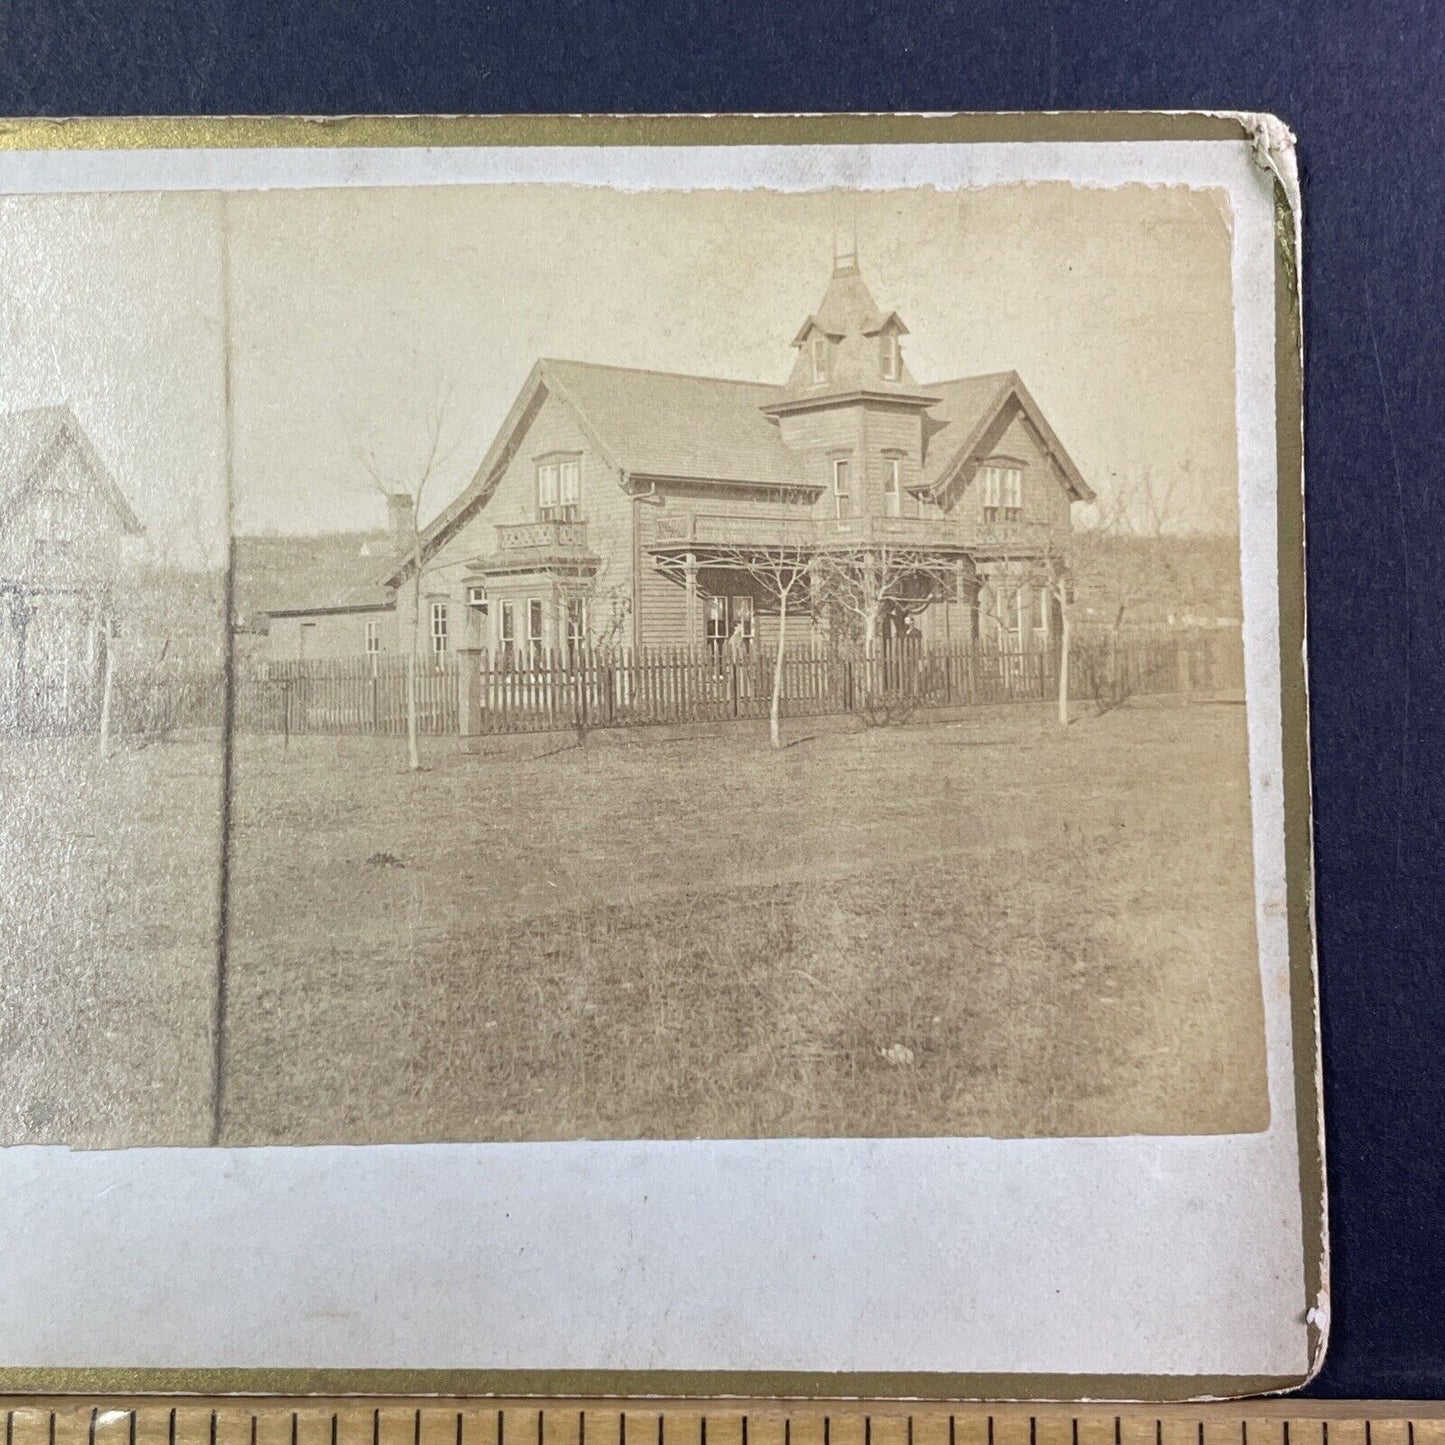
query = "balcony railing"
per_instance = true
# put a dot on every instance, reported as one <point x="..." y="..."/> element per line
<point x="563" y="537"/>
<point x="719" y="529"/>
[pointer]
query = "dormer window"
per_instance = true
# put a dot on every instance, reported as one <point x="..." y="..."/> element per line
<point x="892" y="357"/>
<point x="818" y="357"/>
<point x="1003" y="492"/>
<point x="559" y="487"/>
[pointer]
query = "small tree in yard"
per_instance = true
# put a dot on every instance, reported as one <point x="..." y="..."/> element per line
<point x="857" y="587"/>
<point x="1091" y="557"/>
<point x="782" y="573"/>
<point x="413" y="483"/>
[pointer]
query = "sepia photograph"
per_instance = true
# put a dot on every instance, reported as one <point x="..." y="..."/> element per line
<point x="676" y="763"/>
<point x="545" y="662"/>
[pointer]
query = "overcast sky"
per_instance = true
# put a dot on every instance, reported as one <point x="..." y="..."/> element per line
<point x="352" y="306"/>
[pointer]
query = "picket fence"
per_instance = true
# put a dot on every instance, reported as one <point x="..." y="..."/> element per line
<point x="157" y="700"/>
<point x="483" y="693"/>
<point x="489" y="694"/>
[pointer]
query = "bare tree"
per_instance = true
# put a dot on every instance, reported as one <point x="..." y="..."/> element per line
<point x="413" y="480"/>
<point x="781" y="574"/>
<point x="858" y="586"/>
<point x="1098" y="559"/>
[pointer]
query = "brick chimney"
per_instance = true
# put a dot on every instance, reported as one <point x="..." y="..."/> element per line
<point x="399" y="518"/>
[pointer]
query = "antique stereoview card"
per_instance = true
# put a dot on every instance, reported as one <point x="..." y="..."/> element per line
<point x="656" y="756"/>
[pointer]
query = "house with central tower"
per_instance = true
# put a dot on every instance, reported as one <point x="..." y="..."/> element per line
<point x="617" y="506"/>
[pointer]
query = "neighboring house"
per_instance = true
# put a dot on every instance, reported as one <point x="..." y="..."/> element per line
<point x="319" y="596"/>
<point x="613" y="504"/>
<point x="67" y="538"/>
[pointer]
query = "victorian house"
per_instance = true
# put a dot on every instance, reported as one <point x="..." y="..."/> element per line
<point x="619" y="506"/>
<point x="67" y="536"/>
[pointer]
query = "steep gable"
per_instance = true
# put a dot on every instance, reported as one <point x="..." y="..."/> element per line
<point x="32" y="440"/>
<point x="645" y="425"/>
<point x="972" y="413"/>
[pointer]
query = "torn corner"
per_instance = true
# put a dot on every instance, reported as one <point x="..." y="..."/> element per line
<point x="1274" y="151"/>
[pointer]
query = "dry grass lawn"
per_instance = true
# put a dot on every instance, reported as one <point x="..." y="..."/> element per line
<point x="109" y="911"/>
<point x="981" y="927"/>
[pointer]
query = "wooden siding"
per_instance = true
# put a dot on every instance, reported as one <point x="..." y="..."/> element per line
<point x="1045" y="494"/>
<point x="329" y="634"/>
<point x="604" y="506"/>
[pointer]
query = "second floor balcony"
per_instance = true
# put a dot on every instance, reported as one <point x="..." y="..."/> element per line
<point x="542" y="536"/>
<point x="683" y="528"/>
<point x="541" y="546"/>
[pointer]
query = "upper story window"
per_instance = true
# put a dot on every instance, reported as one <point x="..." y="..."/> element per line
<point x="56" y="519"/>
<point x="842" y="487"/>
<point x="559" y="486"/>
<point x="893" y="486"/>
<point x="818" y="357"/>
<point x="892" y="356"/>
<point x="1003" y="493"/>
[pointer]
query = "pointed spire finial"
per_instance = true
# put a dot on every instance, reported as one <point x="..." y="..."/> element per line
<point x="845" y="247"/>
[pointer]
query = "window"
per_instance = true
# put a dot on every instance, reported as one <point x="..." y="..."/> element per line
<point x="1041" y="609"/>
<point x="842" y="488"/>
<point x="570" y="481"/>
<point x="534" y="626"/>
<point x="507" y="631"/>
<point x="477" y="599"/>
<point x="1003" y="494"/>
<point x="893" y="486"/>
<point x="306" y="643"/>
<point x="559" y="487"/>
<point x="743" y="619"/>
<point x="547" y="483"/>
<point x="576" y="627"/>
<point x="730" y="626"/>
<point x="818" y="353"/>
<point x="439" y="627"/>
<point x="892" y="357"/>
<point x="715" y="625"/>
<point x="373" y="636"/>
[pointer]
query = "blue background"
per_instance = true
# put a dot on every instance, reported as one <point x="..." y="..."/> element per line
<point x="1362" y="86"/>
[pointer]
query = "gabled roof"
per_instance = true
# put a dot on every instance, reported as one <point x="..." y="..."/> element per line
<point x="958" y="431"/>
<point x="29" y="437"/>
<point x="665" y="424"/>
<point x="308" y="574"/>
<point x="644" y="424"/>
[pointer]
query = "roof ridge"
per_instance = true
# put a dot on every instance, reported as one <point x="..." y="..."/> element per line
<point x="659" y="371"/>
<point x="977" y="376"/>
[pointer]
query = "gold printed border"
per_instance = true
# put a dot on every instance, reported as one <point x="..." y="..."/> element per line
<point x="300" y="132"/>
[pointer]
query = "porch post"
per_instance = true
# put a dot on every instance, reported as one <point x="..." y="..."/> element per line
<point x="469" y="691"/>
<point x="690" y="577"/>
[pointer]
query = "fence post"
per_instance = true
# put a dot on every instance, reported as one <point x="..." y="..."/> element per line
<point x="469" y="691"/>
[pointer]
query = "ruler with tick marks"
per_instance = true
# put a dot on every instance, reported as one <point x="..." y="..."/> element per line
<point x="121" y="1420"/>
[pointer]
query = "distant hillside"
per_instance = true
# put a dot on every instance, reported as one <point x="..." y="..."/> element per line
<point x="330" y="569"/>
<point x="1187" y="580"/>
<point x="169" y="614"/>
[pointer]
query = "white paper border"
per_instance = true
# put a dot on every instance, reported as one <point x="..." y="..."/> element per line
<point x="1103" y="1256"/>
